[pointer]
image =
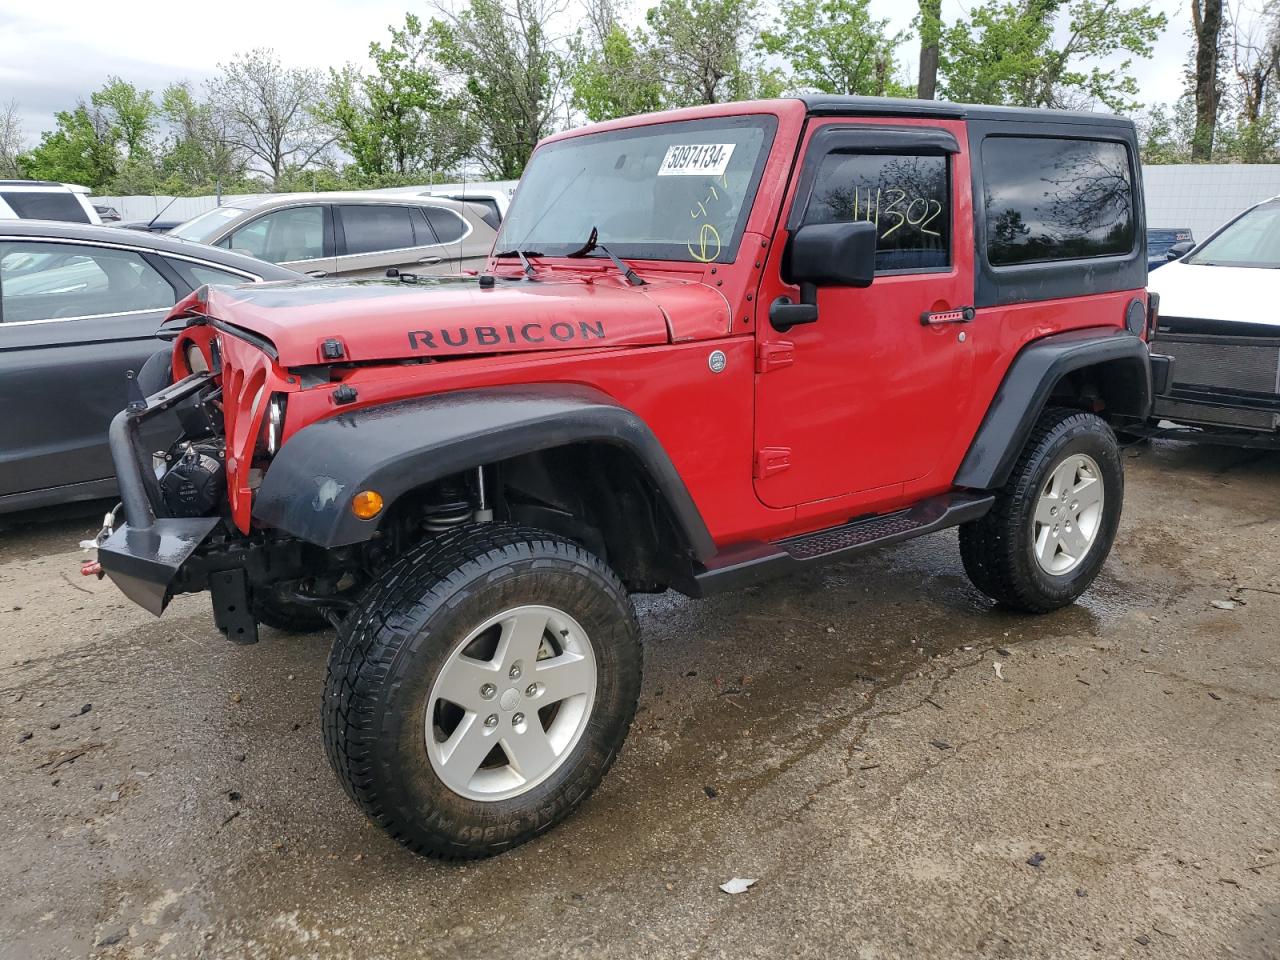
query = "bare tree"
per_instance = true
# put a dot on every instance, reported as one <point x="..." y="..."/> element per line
<point x="1206" y="23"/>
<point x="10" y="140"/>
<point x="268" y="111"/>
<point x="1255" y="58"/>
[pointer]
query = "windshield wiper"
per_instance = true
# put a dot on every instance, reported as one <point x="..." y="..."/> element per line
<point x="524" y="259"/>
<point x="593" y="243"/>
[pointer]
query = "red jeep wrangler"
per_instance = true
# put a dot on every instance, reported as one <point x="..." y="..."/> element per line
<point x="711" y="346"/>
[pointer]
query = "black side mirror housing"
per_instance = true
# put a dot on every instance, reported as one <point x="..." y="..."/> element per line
<point x="824" y="254"/>
<point x="1180" y="250"/>
<point x="834" y="254"/>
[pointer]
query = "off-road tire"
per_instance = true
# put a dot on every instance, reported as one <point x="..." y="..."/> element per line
<point x="289" y="617"/>
<point x="997" y="549"/>
<point x="395" y="641"/>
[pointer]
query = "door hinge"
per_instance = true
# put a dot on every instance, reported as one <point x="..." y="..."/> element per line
<point x="775" y="355"/>
<point x="771" y="460"/>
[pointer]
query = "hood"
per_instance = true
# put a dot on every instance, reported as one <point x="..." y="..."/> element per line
<point x="452" y="316"/>
<point x="1233" y="294"/>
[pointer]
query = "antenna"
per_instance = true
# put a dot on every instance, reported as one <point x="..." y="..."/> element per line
<point x="151" y="222"/>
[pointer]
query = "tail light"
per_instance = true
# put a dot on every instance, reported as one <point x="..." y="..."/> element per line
<point x="1153" y="314"/>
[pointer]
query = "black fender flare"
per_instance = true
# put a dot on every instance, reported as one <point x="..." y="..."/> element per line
<point x="1031" y="379"/>
<point x="395" y="447"/>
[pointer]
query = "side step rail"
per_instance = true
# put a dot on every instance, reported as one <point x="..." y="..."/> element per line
<point x="747" y="563"/>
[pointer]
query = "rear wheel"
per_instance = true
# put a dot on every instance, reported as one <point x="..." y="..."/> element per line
<point x="481" y="689"/>
<point x="1054" y="521"/>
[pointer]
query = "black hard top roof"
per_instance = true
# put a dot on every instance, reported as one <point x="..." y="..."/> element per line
<point x="159" y="243"/>
<point x="825" y="104"/>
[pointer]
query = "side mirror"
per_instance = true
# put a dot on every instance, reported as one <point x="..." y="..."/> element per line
<point x="834" y="254"/>
<point x="828" y="255"/>
<point x="1180" y="250"/>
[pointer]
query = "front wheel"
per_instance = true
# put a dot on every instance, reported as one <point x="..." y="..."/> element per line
<point x="1054" y="521"/>
<point x="481" y="689"/>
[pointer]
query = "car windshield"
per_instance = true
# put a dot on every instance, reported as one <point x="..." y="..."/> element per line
<point x="205" y="226"/>
<point x="1252" y="241"/>
<point x="669" y="191"/>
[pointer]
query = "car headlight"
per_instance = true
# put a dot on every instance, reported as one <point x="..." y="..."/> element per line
<point x="275" y="422"/>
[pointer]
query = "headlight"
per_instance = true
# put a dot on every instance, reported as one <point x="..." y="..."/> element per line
<point x="275" y="422"/>
<point x="196" y="361"/>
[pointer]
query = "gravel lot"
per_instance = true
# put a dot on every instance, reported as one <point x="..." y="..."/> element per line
<point x="843" y="737"/>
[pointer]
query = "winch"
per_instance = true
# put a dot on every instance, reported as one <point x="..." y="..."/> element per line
<point x="193" y="486"/>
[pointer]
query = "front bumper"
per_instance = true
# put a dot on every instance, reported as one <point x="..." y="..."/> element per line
<point x="144" y="556"/>
<point x="144" y="561"/>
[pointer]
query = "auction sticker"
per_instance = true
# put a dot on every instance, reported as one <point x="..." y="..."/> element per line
<point x="696" y="160"/>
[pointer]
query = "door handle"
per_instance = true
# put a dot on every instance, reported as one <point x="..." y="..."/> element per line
<point x="431" y="261"/>
<point x="317" y="274"/>
<point x="958" y="315"/>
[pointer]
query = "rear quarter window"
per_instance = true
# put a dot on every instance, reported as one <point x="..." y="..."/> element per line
<point x="1050" y="199"/>
<point x="54" y="205"/>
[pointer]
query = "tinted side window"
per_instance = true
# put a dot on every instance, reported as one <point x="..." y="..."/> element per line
<point x="51" y="281"/>
<point x="906" y="197"/>
<point x="296" y="233"/>
<point x="371" y="228"/>
<point x="1050" y="199"/>
<point x="54" y="205"/>
<point x="447" y="225"/>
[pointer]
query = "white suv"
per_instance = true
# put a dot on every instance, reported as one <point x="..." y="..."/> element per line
<point x="45" y="200"/>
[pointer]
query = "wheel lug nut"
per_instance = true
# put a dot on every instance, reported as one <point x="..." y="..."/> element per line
<point x="516" y="719"/>
<point x="491" y="720"/>
<point x="531" y="690"/>
<point x="488" y="690"/>
<point x="514" y="672"/>
<point x="1053" y="511"/>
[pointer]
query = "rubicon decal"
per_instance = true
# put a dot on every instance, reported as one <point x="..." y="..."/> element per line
<point x="516" y="334"/>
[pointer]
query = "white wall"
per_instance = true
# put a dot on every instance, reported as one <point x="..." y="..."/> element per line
<point x="1204" y="196"/>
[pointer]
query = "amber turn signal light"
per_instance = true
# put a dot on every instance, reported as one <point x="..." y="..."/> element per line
<point x="366" y="504"/>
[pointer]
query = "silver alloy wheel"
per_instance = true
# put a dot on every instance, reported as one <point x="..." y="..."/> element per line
<point x="1068" y="514"/>
<point x="511" y="703"/>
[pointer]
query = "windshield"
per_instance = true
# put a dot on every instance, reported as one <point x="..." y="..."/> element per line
<point x="1251" y="241"/>
<point x="670" y="191"/>
<point x="203" y="227"/>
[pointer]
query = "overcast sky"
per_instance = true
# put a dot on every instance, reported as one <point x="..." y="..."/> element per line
<point x="55" y="52"/>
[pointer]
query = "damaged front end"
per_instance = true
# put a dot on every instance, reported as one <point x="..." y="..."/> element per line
<point x="144" y="556"/>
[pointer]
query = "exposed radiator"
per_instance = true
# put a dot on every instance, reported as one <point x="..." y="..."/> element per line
<point x="1231" y="363"/>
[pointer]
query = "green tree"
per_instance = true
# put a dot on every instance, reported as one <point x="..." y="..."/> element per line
<point x="80" y="149"/>
<point x="702" y="48"/>
<point x="396" y="121"/>
<point x="131" y="115"/>
<point x="612" y="73"/>
<point x="511" y="73"/>
<point x="930" y="22"/>
<point x="836" y="46"/>
<point x="1007" y="53"/>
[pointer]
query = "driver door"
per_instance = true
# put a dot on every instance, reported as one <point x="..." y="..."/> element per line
<point x="861" y="402"/>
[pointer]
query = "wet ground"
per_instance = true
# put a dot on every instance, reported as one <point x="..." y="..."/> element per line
<point x="843" y="737"/>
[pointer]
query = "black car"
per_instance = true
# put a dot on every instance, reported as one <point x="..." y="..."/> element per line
<point x="79" y="307"/>
<point x="155" y="225"/>
<point x="1161" y="242"/>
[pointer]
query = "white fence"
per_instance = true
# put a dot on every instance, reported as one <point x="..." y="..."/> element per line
<point x="1204" y="196"/>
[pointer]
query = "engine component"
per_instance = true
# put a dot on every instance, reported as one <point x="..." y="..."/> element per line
<point x="194" y="485"/>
